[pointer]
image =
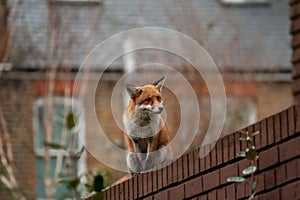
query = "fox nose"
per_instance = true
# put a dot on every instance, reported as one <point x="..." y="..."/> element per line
<point x="160" y="109"/>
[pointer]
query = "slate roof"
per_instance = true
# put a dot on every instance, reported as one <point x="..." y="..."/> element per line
<point x="238" y="38"/>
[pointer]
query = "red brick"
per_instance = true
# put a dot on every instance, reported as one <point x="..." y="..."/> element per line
<point x="230" y="192"/>
<point x="290" y="191"/>
<point x="161" y="195"/>
<point x="185" y="164"/>
<point x="231" y="147"/>
<point x="196" y="161"/>
<point x="289" y="149"/>
<point x="237" y="144"/>
<point x="176" y="192"/>
<point x="257" y="138"/>
<point x="126" y="190"/>
<point x="243" y="164"/>
<point x="268" y="158"/>
<point x="212" y="195"/>
<point x="225" y="149"/>
<point x="140" y="185"/>
<point x="280" y="174"/>
<point x="291" y="170"/>
<point x="179" y="168"/>
<point x="170" y="174"/>
<point x="274" y="194"/>
<point x="154" y="180"/>
<point x="145" y="183"/>
<point x="193" y="187"/>
<point x="122" y="191"/>
<point x="207" y="160"/>
<point x="150" y="182"/>
<point x="263" y="133"/>
<point x="277" y="128"/>
<point x="202" y="197"/>
<point x="164" y="176"/>
<point x="260" y="178"/>
<point x="174" y="172"/>
<point x="106" y="194"/>
<point x="270" y="130"/>
<point x="240" y="190"/>
<point x="211" y="180"/>
<point x="117" y="191"/>
<point x="135" y="187"/>
<point x="242" y="143"/>
<point x="202" y="164"/>
<point x="269" y="179"/>
<point x="191" y="164"/>
<point x="112" y="193"/>
<point x="291" y="121"/>
<point x="220" y="150"/>
<point x="159" y="179"/>
<point x="284" y="124"/>
<point x="149" y="198"/>
<point x="213" y="156"/>
<point x="297" y="114"/>
<point x="221" y="193"/>
<point x="228" y="171"/>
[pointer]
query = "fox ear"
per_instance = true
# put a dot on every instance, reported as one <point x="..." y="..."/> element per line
<point x="133" y="91"/>
<point x="159" y="83"/>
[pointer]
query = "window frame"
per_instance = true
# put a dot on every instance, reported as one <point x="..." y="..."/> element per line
<point x="70" y="102"/>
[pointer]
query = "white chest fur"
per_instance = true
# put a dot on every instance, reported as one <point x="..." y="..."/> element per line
<point x="142" y="127"/>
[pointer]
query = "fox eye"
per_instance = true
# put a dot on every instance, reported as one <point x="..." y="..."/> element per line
<point x="158" y="98"/>
<point x="148" y="99"/>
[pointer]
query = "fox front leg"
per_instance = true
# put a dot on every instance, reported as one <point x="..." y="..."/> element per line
<point x="134" y="163"/>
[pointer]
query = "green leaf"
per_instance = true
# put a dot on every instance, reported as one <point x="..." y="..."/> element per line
<point x="54" y="145"/>
<point x="249" y="170"/>
<point x="243" y="139"/>
<point x="251" y="154"/>
<point x="73" y="183"/>
<point x="254" y="184"/>
<point x="244" y="132"/>
<point x="98" y="183"/>
<point x="255" y="133"/>
<point x="241" y="154"/>
<point x="70" y="121"/>
<point x="236" y="179"/>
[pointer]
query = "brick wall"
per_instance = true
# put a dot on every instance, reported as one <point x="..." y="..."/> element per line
<point x="295" y="44"/>
<point x="190" y="177"/>
<point x="16" y="102"/>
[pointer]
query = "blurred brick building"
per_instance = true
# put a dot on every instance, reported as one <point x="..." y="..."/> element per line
<point x="249" y="42"/>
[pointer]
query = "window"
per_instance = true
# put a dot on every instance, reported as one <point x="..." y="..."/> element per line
<point x="60" y="135"/>
<point x="246" y="2"/>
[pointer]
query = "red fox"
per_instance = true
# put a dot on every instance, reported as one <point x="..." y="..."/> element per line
<point x="146" y="133"/>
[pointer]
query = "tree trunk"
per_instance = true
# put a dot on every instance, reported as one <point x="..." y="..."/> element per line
<point x="3" y="30"/>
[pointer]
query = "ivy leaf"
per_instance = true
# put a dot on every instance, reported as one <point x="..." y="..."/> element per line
<point x="249" y="170"/>
<point x="236" y="179"/>
<point x="70" y="121"/>
<point x="254" y="184"/>
<point x="244" y="132"/>
<point x="73" y="183"/>
<point x="251" y="154"/>
<point x="255" y="133"/>
<point x="54" y="145"/>
<point x="241" y="154"/>
<point x="98" y="183"/>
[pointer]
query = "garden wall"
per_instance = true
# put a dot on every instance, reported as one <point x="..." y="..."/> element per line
<point x="190" y="177"/>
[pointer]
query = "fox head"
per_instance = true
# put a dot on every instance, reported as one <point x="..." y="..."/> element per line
<point x="147" y="97"/>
